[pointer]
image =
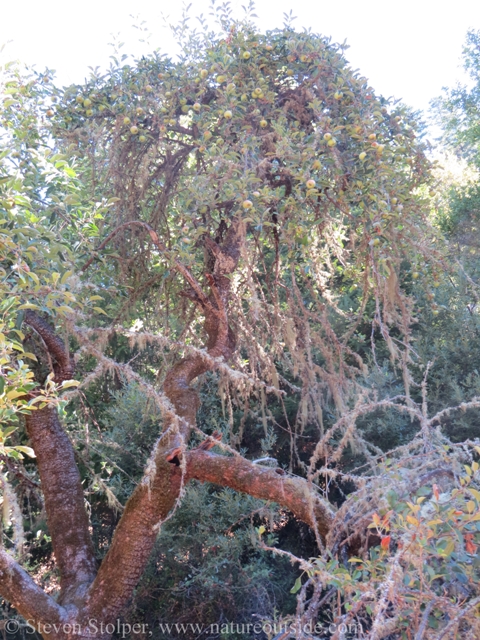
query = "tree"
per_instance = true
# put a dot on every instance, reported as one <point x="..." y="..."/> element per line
<point x="252" y="211"/>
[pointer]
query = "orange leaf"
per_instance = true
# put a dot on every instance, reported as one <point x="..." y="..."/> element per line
<point x="385" y="543"/>
<point x="436" y="492"/>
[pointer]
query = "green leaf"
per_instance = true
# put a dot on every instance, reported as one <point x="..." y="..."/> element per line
<point x="297" y="586"/>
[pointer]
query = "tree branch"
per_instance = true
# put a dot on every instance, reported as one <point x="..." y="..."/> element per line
<point x="25" y="595"/>
<point x="260" y="482"/>
<point x="64" y="503"/>
<point x="60" y="479"/>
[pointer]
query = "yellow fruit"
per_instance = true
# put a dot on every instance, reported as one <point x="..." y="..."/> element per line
<point x="197" y="106"/>
<point x="185" y="108"/>
<point x="89" y="112"/>
<point x="79" y="98"/>
<point x="317" y="164"/>
<point x="101" y="107"/>
<point x="126" y="120"/>
<point x="203" y="73"/>
<point x="263" y="123"/>
<point x="256" y="194"/>
<point x="87" y="102"/>
<point x="183" y="101"/>
<point x="289" y="72"/>
<point x="337" y="95"/>
<point x="376" y="242"/>
<point x="246" y="55"/>
<point x="228" y="115"/>
<point x="207" y="135"/>
<point x="415" y="275"/>
<point x="149" y="88"/>
<point x="372" y="136"/>
<point x="247" y="204"/>
<point x="327" y="136"/>
<point x="332" y="142"/>
<point x="310" y="184"/>
<point x="380" y="148"/>
<point x="172" y="122"/>
<point x="268" y="47"/>
<point x="49" y="113"/>
<point x="202" y="149"/>
<point x="244" y="97"/>
<point x="221" y="79"/>
<point x="142" y="138"/>
<point x="140" y="111"/>
<point x="134" y="130"/>
<point x="362" y="155"/>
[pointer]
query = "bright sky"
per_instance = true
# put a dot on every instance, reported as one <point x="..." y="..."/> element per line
<point x="408" y="49"/>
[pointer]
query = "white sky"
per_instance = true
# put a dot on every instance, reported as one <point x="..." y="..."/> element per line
<point x="408" y="49"/>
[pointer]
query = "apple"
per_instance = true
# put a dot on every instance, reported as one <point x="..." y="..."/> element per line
<point x="317" y="164"/>
<point x="49" y="113"/>
<point x="247" y="204"/>
<point x="202" y="149"/>
<point x="362" y="155"/>
<point x="79" y="98"/>
<point x="203" y="73"/>
<point x="134" y="130"/>
<point x="327" y="136"/>
<point x="172" y="122"/>
<point x="290" y="72"/>
<point x="376" y="242"/>
<point x="337" y="95"/>
<point x="89" y="112"/>
<point x="126" y="120"/>
<point x="221" y="79"/>
<point x="183" y="101"/>
<point x="332" y="142"/>
<point x="310" y="184"/>
<point x="246" y="55"/>
<point x="207" y="135"/>
<point x="87" y="103"/>
<point x="372" y="136"/>
<point x="303" y="58"/>
<point x="228" y="115"/>
<point x="142" y="138"/>
<point x="197" y="106"/>
<point x="101" y="107"/>
<point x="140" y="111"/>
<point x="244" y="97"/>
<point x="263" y="123"/>
<point x="268" y="47"/>
<point x="415" y="275"/>
<point x="380" y="148"/>
<point x="256" y="194"/>
<point x="149" y="88"/>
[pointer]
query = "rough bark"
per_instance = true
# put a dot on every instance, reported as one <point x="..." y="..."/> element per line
<point x="61" y="484"/>
<point x="64" y="503"/>
<point x="260" y="482"/>
<point x="25" y="595"/>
